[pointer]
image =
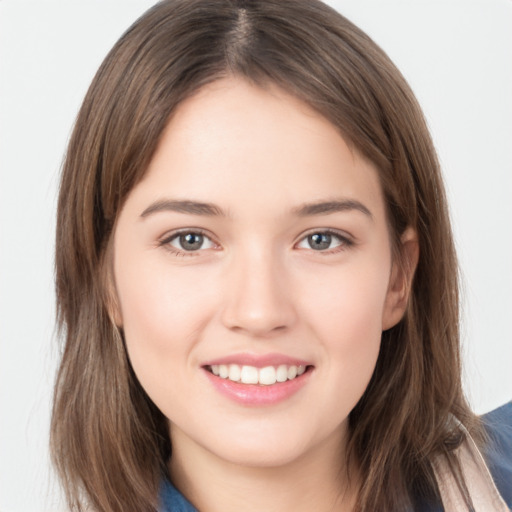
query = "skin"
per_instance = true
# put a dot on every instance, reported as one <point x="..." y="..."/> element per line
<point x="256" y="286"/>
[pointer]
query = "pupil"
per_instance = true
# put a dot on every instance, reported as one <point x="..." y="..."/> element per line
<point x="319" y="241"/>
<point x="191" y="241"/>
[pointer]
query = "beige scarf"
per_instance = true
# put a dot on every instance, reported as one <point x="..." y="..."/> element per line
<point x="479" y="482"/>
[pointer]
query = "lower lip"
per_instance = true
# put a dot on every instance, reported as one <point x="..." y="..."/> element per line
<point x="255" y="394"/>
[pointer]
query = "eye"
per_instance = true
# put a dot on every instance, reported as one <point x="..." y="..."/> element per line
<point x="324" y="241"/>
<point x="188" y="241"/>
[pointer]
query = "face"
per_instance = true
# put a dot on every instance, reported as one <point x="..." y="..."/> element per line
<point x="254" y="276"/>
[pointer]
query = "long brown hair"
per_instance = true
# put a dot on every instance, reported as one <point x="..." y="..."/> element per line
<point x="109" y="442"/>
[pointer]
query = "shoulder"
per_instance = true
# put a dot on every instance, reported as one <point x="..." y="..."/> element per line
<point x="171" y="500"/>
<point x="498" y="450"/>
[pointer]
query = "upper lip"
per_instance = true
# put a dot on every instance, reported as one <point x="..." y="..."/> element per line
<point x="258" y="360"/>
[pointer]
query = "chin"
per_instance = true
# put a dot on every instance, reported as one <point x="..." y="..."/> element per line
<point x="266" y="444"/>
<point x="262" y="455"/>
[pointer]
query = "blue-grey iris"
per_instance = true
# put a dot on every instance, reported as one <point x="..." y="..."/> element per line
<point x="191" y="241"/>
<point x="319" y="241"/>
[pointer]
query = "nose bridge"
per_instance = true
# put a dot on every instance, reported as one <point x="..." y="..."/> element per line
<point x="257" y="296"/>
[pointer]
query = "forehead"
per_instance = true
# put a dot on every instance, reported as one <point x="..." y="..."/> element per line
<point x="243" y="146"/>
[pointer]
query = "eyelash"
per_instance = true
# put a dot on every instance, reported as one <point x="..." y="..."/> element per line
<point x="345" y="242"/>
<point x="166" y="241"/>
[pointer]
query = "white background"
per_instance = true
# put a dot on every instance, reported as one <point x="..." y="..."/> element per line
<point x="457" y="55"/>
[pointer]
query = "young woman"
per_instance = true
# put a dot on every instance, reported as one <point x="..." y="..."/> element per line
<point x="257" y="280"/>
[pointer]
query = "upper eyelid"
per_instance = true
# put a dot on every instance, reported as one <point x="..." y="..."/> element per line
<point x="330" y="231"/>
<point x="171" y="235"/>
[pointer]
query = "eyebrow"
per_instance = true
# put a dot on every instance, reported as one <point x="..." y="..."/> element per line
<point x="190" y="207"/>
<point x="327" y="207"/>
<point x="209" y="209"/>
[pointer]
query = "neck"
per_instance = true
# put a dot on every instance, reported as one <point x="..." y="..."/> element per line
<point x="318" y="481"/>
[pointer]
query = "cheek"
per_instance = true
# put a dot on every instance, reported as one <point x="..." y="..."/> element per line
<point x="163" y="309"/>
<point x="348" y="298"/>
<point x="345" y="314"/>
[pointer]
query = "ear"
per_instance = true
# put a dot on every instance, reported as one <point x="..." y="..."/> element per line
<point x="400" y="283"/>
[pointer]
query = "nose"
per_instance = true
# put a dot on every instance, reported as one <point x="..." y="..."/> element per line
<point x="258" y="300"/>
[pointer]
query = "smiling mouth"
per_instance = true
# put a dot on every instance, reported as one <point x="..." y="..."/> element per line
<point x="266" y="376"/>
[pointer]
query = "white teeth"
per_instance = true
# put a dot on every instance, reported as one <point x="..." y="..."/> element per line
<point x="234" y="372"/>
<point x="282" y="373"/>
<point x="267" y="375"/>
<point x="251" y="375"/>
